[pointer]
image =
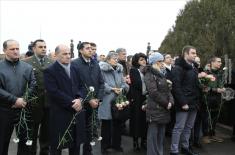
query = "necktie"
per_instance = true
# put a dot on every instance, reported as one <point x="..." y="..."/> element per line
<point x="41" y="62"/>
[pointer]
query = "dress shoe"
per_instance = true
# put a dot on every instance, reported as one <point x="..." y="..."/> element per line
<point x="216" y="139"/>
<point x="144" y="146"/>
<point x="206" y="140"/>
<point x="104" y="151"/>
<point x="197" y="145"/>
<point x="188" y="151"/>
<point x="119" y="149"/>
<point x="233" y="138"/>
<point x="136" y="146"/>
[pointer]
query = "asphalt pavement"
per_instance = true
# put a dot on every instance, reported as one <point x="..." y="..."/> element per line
<point x="225" y="148"/>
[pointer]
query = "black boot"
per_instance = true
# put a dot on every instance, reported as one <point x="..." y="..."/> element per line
<point x="136" y="144"/>
<point x="187" y="151"/>
<point x="144" y="143"/>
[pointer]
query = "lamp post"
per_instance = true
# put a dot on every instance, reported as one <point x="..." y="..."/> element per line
<point x="72" y="48"/>
<point x="148" y="49"/>
<point x="79" y="43"/>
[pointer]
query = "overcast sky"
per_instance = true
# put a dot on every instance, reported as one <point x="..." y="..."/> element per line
<point x="110" y="24"/>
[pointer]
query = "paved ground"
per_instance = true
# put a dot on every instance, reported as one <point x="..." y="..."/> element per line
<point x="225" y="148"/>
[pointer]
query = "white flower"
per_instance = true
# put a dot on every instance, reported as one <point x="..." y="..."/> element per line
<point x="92" y="143"/>
<point x="91" y="89"/>
<point x="100" y="138"/>
<point x="225" y="68"/>
<point x="169" y="82"/>
<point x="29" y="142"/>
<point x="144" y="107"/>
<point x="16" y="140"/>
<point x="211" y="77"/>
<point x="127" y="102"/>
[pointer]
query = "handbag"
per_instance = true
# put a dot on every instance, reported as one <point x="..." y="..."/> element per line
<point x="117" y="114"/>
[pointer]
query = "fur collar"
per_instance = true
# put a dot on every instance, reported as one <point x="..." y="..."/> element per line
<point x="104" y="66"/>
<point x="182" y="63"/>
<point x="149" y="68"/>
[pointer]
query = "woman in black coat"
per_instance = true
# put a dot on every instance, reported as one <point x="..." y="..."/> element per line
<point x="138" y="126"/>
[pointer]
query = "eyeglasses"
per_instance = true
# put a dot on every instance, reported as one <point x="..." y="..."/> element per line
<point x="42" y="46"/>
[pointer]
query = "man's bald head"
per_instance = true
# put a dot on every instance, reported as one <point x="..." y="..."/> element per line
<point x="63" y="54"/>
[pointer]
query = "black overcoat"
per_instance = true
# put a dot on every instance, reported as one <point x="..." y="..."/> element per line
<point x="138" y="124"/>
<point x="61" y="91"/>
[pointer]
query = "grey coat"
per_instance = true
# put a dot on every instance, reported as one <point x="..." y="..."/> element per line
<point x="14" y="77"/>
<point x="112" y="78"/>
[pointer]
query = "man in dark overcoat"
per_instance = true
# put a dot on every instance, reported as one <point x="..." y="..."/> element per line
<point x="62" y="88"/>
<point x="90" y="74"/>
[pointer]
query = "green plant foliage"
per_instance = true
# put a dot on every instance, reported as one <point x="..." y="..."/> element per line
<point x="208" y="25"/>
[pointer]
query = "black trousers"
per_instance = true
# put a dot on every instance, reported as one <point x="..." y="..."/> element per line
<point x="7" y="120"/>
<point x="23" y="149"/>
<point x="170" y="125"/>
<point x="197" y="127"/>
<point x="72" y="151"/>
<point x="111" y="134"/>
<point x="43" y="129"/>
<point x="87" y="149"/>
<point x="210" y="116"/>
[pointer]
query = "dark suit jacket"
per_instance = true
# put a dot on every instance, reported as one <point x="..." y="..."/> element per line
<point x="61" y="91"/>
<point x="90" y="75"/>
<point x="40" y="88"/>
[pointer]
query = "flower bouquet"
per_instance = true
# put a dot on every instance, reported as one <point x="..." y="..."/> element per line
<point x="206" y="81"/>
<point x="120" y="107"/>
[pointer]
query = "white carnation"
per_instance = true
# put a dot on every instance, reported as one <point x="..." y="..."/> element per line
<point x="16" y="140"/>
<point x="29" y="142"/>
<point x="91" y="89"/>
<point x="92" y="143"/>
<point x="100" y="138"/>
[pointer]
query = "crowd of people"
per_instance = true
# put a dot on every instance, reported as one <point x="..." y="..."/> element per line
<point x="65" y="103"/>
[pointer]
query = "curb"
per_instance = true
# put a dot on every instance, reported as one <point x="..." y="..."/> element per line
<point x="226" y="127"/>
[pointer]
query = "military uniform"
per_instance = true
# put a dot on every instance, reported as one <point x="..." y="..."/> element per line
<point x="40" y="110"/>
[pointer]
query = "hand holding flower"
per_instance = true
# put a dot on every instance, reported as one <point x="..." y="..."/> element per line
<point x="221" y="90"/>
<point x="117" y="90"/>
<point x="77" y="104"/>
<point x="20" y="103"/>
<point x="94" y="103"/>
